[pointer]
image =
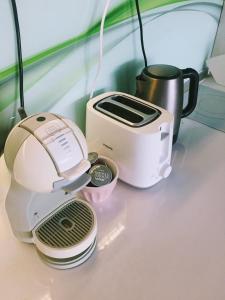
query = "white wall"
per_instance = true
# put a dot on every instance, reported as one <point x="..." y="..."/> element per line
<point x="58" y="78"/>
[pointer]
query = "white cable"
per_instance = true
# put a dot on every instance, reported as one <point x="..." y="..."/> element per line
<point x="100" y="48"/>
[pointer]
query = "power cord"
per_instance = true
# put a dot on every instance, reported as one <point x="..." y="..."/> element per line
<point x="141" y="32"/>
<point x="100" y="47"/>
<point x="21" y="109"/>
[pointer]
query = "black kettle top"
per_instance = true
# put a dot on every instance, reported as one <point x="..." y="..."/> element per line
<point x="162" y="71"/>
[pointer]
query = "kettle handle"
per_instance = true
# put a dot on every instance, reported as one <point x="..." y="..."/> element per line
<point x="193" y="90"/>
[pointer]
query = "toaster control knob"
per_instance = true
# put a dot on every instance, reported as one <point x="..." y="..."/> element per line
<point x="165" y="171"/>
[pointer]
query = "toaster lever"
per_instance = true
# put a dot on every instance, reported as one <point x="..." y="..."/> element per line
<point x="165" y="142"/>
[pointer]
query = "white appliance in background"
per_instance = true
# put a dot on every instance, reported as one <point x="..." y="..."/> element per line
<point x="216" y="63"/>
<point x="48" y="159"/>
<point x="137" y="135"/>
<point x="216" y="66"/>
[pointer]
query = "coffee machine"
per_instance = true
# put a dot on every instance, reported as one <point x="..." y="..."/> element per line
<point x="47" y="157"/>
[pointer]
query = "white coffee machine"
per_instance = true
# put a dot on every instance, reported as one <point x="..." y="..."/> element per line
<point x="48" y="159"/>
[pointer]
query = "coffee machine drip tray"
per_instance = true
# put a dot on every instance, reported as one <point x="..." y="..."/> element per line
<point x="68" y="237"/>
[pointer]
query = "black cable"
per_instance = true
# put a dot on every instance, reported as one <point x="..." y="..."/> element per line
<point x="21" y="109"/>
<point x="141" y="32"/>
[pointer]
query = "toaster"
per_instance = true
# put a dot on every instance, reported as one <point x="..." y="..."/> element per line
<point x="135" y="134"/>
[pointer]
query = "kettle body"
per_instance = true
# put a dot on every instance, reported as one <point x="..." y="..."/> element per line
<point x="163" y="85"/>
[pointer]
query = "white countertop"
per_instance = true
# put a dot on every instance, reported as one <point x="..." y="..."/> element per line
<point x="166" y="242"/>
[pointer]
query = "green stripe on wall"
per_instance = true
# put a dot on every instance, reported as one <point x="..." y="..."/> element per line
<point x="120" y="13"/>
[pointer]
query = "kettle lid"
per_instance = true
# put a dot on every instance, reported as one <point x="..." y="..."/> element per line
<point x="162" y="71"/>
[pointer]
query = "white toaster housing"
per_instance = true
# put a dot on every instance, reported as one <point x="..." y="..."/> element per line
<point x="141" y="149"/>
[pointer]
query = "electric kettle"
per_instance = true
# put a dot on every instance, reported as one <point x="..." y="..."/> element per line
<point x="163" y="85"/>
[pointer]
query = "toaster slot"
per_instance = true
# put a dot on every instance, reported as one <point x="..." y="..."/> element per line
<point x="127" y="110"/>
<point x="119" y="111"/>
<point x="135" y="105"/>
